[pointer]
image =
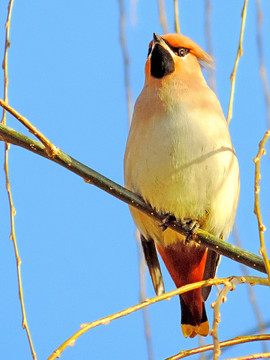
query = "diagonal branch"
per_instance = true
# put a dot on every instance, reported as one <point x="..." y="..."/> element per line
<point x="235" y="341"/>
<point x="183" y="289"/>
<point x="50" y="148"/>
<point x="91" y="176"/>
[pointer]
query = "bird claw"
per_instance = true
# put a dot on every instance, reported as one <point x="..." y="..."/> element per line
<point x="190" y="226"/>
<point x="169" y="219"/>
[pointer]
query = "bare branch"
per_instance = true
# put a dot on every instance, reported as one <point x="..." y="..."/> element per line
<point x="91" y="176"/>
<point x="228" y="286"/>
<point x="142" y="267"/>
<point x="257" y="210"/>
<point x="209" y="45"/>
<point x="50" y="148"/>
<point x="263" y="72"/>
<point x="106" y="320"/>
<point x="251" y="292"/>
<point x="163" y="17"/>
<point x="252" y="356"/>
<point x="176" y="17"/>
<point x="238" y="55"/>
<point x="235" y="341"/>
<point x="8" y="187"/>
<point x="126" y="59"/>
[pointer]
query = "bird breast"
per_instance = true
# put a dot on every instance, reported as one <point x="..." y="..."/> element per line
<point x="180" y="159"/>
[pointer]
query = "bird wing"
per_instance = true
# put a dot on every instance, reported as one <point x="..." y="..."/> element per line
<point x="151" y="258"/>
<point x="211" y="264"/>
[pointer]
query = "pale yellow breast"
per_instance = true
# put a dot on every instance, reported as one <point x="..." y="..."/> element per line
<point x="180" y="160"/>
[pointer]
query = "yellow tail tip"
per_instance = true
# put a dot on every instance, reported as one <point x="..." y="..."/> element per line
<point x="191" y="331"/>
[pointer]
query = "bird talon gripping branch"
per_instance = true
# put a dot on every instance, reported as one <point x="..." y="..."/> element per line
<point x="169" y="219"/>
<point x="191" y="226"/>
<point x="179" y="157"/>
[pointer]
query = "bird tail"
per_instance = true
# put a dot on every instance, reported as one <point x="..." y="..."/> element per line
<point x="186" y="264"/>
<point x="193" y="324"/>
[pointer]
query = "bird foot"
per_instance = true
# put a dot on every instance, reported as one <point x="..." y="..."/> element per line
<point x="169" y="219"/>
<point x="190" y="226"/>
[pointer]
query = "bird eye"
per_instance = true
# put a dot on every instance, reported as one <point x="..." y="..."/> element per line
<point x="181" y="51"/>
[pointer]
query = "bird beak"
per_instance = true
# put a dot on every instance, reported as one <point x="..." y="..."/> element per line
<point x="157" y="39"/>
<point x="161" y="59"/>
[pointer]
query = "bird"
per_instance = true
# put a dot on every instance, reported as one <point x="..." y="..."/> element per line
<point x="180" y="159"/>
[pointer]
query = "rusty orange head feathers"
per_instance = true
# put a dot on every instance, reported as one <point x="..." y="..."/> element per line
<point x="179" y="40"/>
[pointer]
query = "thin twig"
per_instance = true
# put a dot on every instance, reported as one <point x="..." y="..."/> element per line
<point x="251" y="292"/>
<point x="252" y="356"/>
<point x="8" y="187"/>
<point x="106" y="320"/>
<point x="176" y="17"/>
<point x="257" y="210"/>
<point x="201" y="344"/>
<point x="146" y="322"/>
<point x="91" y="176"/>
<point x="126" y="61"/>
<point x="256" y="329"/>
<point x="133" y="12"/>
<point x="228" y="286"/>
<point x="163" y="17"/>
<point x="235" y="341"/>
<point x="238" y="55"/>
<point x="50" y="148"/>
<point x="209" y="45"/>
<point x="122" y="31"/>
<point x="263" y="72"/>
<point x="248" y="333"/>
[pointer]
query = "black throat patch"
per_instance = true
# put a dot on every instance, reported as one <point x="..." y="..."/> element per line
<point x="162" y="63"/>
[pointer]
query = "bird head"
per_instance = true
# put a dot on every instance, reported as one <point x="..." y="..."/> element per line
<point x="174" y="55"/>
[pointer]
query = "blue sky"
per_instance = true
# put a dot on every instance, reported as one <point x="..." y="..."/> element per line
<point x="77" y="245"/>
